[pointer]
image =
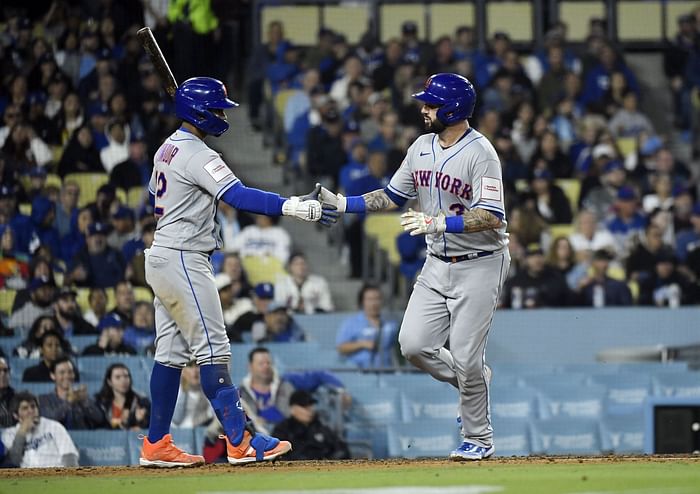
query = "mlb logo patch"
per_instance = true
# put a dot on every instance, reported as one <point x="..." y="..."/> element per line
<point x="491" y="189"/>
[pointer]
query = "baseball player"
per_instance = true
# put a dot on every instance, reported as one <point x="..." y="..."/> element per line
<point x="455" y="174"/>
<point x="187" y="182"/>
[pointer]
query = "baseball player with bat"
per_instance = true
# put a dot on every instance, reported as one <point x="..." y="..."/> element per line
<point x="187" y="182"/>
<point x="455" y="174"/>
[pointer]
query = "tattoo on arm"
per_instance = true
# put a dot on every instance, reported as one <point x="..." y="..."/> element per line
<point x="478" y="220"/>
<point x="377" y="200"/>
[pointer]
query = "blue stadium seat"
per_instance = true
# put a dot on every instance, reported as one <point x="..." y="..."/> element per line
<point x="183" y="438"/>
<point x="437" y="401"/>
<point x="513" y="403"/>
<point x="102" y="447"/>
<point x="625" y="392"/>
<point x="374" y="405"/>
<point x="18" y="365"/>
<point x="372" y="437"/>
<point x="571" y="401"/>
<point x="406" y="380"/>
<point x="36" y="388"/>
<point x="511" y="437"/>
<point x="94" y="368"/>
<point x="653" y="367"/>
<point x="353" y="380"/>
<point x="80" y="342"/>
<point x="569" y="379"/>
<point x="521" y="369"/>
<point x="623" y="433"/>
<point x="565" y="435"/>
<point x="320" y="328"/>
<point x="588" y="368"/>
<point x="678" y="384"/>
<point x="9" y="343"/>
<point x="422" y="438"/>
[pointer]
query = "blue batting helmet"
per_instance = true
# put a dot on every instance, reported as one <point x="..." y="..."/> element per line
<point x="195" y="98"/>
<point x="454" y="95"/>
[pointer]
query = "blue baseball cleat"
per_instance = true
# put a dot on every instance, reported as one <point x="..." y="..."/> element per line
<point x="468" y="451"/>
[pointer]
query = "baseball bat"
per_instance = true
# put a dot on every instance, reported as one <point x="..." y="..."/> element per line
<point x="159" y="63"/>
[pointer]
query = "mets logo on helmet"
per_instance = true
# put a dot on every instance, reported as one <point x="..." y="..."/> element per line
<point x="427" y="82"/>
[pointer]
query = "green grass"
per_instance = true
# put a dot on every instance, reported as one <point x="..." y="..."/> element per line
<point x="669" y="477"/>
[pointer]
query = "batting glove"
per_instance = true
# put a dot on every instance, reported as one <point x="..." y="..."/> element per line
<point x="328" y="198"/>
<point x="329" y="215"/>
<point x="309" y="210"/>
<point x="419" y="223"/>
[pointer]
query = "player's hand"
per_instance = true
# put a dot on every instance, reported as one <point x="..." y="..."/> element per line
<point x="419" y="223"/>
<point x="328" y="198"/>
<point x="309" y="210"/>
<point x="329" y="215"/>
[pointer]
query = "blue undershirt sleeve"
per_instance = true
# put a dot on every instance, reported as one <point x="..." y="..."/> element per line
<point x="396" y="199"/>
<point x="253" y="200"/>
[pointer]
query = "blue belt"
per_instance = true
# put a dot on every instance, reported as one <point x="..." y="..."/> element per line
<point x="465" y="257"/>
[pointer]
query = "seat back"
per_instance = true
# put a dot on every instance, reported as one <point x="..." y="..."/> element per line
<point x="437" y="401"/>
<point x="684" y="384"/>
<point x="566" y="436"/>
<point x="101" y="447"/>
<point x="511" y="437"/>
<point x="422" y="438"/>
<point x="622" y="433"/>
<point x="574" y="402"/>
<point x="508" y="403"/>
<point x="374" y="406"/>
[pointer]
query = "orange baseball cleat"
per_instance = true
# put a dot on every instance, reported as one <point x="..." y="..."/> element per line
<point x="164" y="454"/>
<point x="247" y="451"/>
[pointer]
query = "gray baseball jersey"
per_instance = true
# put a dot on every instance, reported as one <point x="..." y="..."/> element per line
<point x="455" y="301"/>
<point x="188" y="179"/>
<point x="454" y="180"/>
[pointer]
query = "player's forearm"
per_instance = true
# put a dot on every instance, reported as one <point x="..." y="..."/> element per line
<point x="479" y="220"/>
<point x="378" y="200"/>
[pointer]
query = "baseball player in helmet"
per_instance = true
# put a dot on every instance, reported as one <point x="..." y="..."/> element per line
<point x="187" y="182"/>
<point x="454" y="173"/>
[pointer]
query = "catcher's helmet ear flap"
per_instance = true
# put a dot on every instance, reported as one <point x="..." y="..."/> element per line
<point x="196" y="97"/>
<point x="452" y="93"/>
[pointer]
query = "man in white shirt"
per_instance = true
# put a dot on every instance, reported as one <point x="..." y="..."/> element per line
<point x="36" y="441"/>
<point x="301" y="291"/>
<point x="262" y="239"/>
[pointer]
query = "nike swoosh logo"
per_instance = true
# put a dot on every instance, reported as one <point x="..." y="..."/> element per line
<point x="424" y="154"/>
<point x="428" y="221"/>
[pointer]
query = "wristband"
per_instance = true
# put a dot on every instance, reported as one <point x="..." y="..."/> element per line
<point x="355" y="204"/>
<point x="454" y="224"/>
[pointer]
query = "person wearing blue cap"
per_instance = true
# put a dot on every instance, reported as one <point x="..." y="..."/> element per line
<point x="97" y="264"/>
<point x="43" y="216"/>
<point x="599" y="199"/>
<point x="688" y="240"/>
<point x="123" y="228"/>
<point x="627" y="221"/>
<point x="20" y="223"/>
<point x="263" y="296"/>
<point x="111" y="339"/>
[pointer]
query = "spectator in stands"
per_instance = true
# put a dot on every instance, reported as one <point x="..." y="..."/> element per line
<point x="313" y="440"/>
<point x="25" y="149"/>
<point x="526" y="222"/>
<point x="537" y="285"/>
<point x="263" y="54"/>
<point x="353" y="71"/>
<point x="97" y="300"/>
<point x="661" y="195"/>
<point x="600" y="199"/>
<point x="325" y="155"/>
<point x="412" y="251"/>
<point x="102" y="206"/>
<point x="123" y="224"/>
<point x="7" y="392"/>
<point x="124" y="299"/>
<point x="368" y="339"/>
<point x="192" y="408"/>
<point x="41" y="296"/>
<point x="52" y="349"/>
<point x="134" y="255"/>
<point x="234" y="304"/>
<point x="122" y="407"/>
<point x="264" y="238"/>
<point x="76" y="240"/>
<point x="265" y="393"/>
<point x="36" y="441"/>
<point x="627" y="221"/>
<point x="689" y="240"/>
<point x="668" y="286"/>
<point x="600" y="290"/>
<point x="141" y="334"/>
<point x="676" y="57"/>
<point x="277" y="326"/>
<point x="69" y="404"/>
<point x="14" y="269"/>
<point x="551" y="202"/>
<point x="301" y="291"/>
<point x="97" y="264"/>
<point x="117" y="149"/>
<point x="523" y="132"/>
<point x="597" y="79"/>
<point x="10" y="215"/>
<point x="111" y="339"/>
<point x="549" y="156"/>
<point x="562" y="257"/>
<point x="233" y="267"/>
<point x="68" y="120"/>
<point x="628" y="121"/>
<point x="589" y="236"/>
<point x="67" y="314"/>
<point x="614" y="98"/>
<point x="80" y="154"/>
<point x="136" y="169"/>
<point x="263" y="296"/>
<point x="67" y="207"/>
<point x="44" y="233"/>
<point x="551" y="85"/>
<point x="646" y="249"/>
<point x="31" y="346"/>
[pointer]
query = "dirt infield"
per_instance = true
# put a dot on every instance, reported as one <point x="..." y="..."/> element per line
<point x="321" y="466"/>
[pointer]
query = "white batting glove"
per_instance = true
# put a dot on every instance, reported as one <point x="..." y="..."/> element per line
<point x="338" y="201"/>
<point x="309" y="210"/>
<point x="420" y="224"/>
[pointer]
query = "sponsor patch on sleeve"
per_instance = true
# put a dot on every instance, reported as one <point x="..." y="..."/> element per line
<point x="218" y="170"/>
<point x="491" y="189"/>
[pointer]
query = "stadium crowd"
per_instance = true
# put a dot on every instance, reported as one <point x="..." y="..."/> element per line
<point x="601" y="210"/>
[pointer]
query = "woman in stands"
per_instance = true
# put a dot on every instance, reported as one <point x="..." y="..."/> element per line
<point x="122" y="406"/>
<point x="31" y="347"/>
<point x="192" y="408"/>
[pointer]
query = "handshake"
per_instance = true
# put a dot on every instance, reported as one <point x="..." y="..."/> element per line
<point x="320" y="205"/>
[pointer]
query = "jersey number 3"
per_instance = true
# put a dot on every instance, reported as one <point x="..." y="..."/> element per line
<point x="161" y="187"/>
